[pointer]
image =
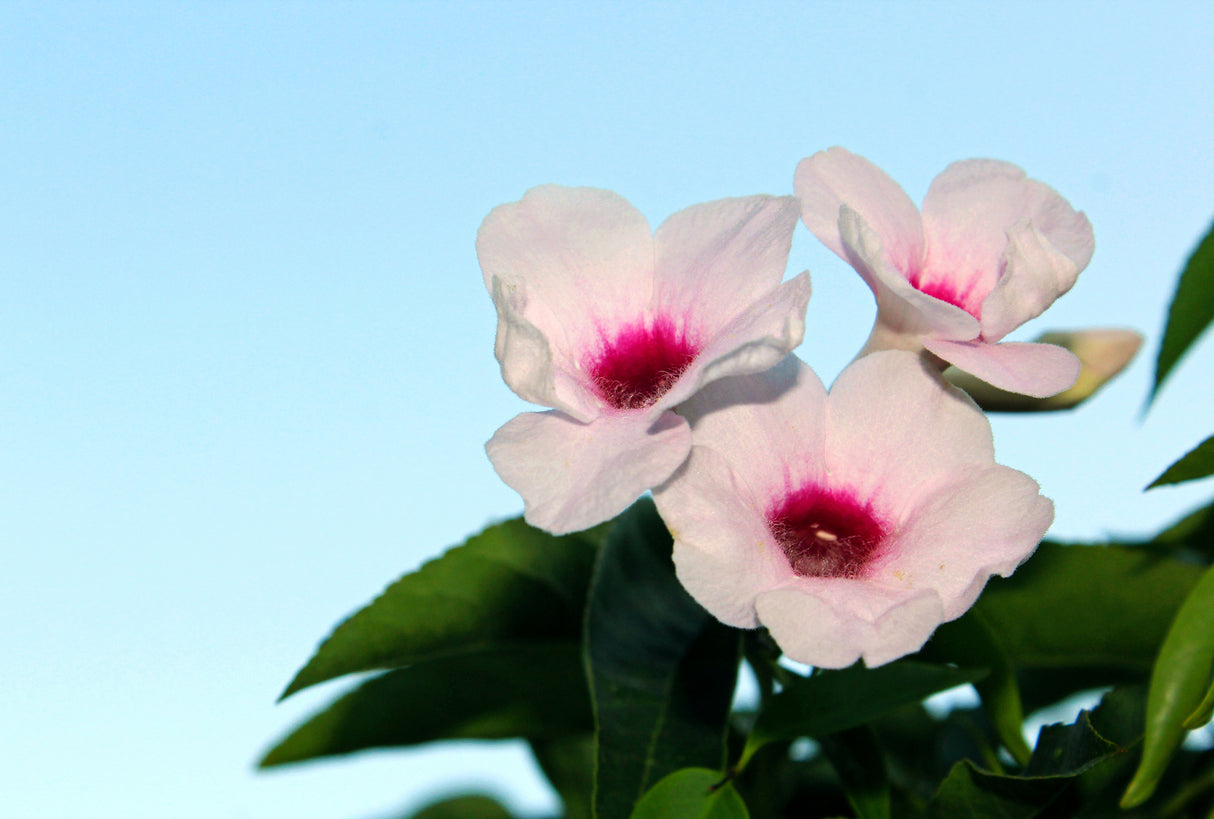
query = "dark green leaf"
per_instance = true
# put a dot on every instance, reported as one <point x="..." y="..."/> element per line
<point x="1063" y="752"/>
<point x="692" y="793"/>
<point x="837" y="700"/>
<point x="1191" y="312"/>
<point x="534" y="690"/>
<point x="1179" y="680"/>
<point x="464" y="807"/>
<point x="1105" y="607"/>
<point x="1194" y="532"/>
<point x="662" y="670"/>
<point x="1198" y="463"/>
<point x="510" y="582"/>
<point x="858" y="761"/>
<point x="568" y="764"/>
<point x="970" y="641"/>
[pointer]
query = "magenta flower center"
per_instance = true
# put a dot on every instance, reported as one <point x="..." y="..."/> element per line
<point x="826" y="533"/>
<point x="965" y="295"/>
<point x="641" y="363"/>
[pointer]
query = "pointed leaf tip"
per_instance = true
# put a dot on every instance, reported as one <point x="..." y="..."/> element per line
<point x="1190" y="313"/>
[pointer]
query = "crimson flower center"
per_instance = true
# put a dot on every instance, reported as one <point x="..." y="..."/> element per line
<point x="826" y="533"/>
<point x="641" y="363"/>
<point x="965" y="294"/>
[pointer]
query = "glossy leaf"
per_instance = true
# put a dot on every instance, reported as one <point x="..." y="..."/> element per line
<point x="472" y="806"/>
<point x="971" y="641"/>
<point x="1191" y="311"/>
<point x="1063" y="752"/>
<point x="536" y="690"/>
<point x="691" y="793"/>
<point x="568" y="764"/>
<point x="1195" y="532"/>
<point x="833" y="701"/>
<point x="860" y="765"/>
<point x="662" y="670"/>
<point x="1105" y="607"/>
<point x="1179" y="680"/>
<point x="1197" y="463"/>
<point x="509" y="583"/>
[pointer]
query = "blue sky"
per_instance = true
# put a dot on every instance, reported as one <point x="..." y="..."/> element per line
<point x="246" y="364"/>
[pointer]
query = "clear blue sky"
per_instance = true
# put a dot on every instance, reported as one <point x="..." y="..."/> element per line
<point x="246" y="363"/>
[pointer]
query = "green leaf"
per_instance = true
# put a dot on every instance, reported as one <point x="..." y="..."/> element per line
<point x="1101" y="607"/>
<point x="535" y="690"/>
<point x="568" y="764"/>
<point x="970" y="641"/>
<point x="1063" y="753"/>
<point x="472" y="806"/>
<point x="1179" y="679"/>
<point x="860" y="764"/>
<point x="1198" y="463"/>
<point x="1191" y="312"/>
<point x="1195" y="532"/>
<point x="662" y="670"/>
<point x="509" y="583"/>
<point x="833" y="701"/>
<point x="692" y="793"/>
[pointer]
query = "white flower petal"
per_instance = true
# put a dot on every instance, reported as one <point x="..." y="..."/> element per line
<point x="769" y="426"/>
<point x="971" y="206"/>
<point x="1035" y="276"/>
<point x="1037" y="370"/>
<point x="584" y="257"/>
<point x="527" y="361"/>
<point x="903" y="313"/>
<point x="836" y="177"/>
<point x="831" y="630"/>
<point x="573" y="475"/>
<point x="715" y="259"/>
<point x="724" y="554"/>
<point x="895" y="430"/>
<point x="987" y="522"/>
<point x="755" y="340"/>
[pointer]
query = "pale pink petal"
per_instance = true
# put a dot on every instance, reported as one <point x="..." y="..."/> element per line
<point x="754" y="340"/>
<point x="895" y="430"/>
<point x="1037" y="370"/>
<point x="1036" y="275"/>
<point x="714" y="259"/>
<point x="769" y="426"/>
<point x="903" y="313"/>
<point x="528" y="366"/>
<point x="723" y="552"/>
<point x="583" y="257"/>
<point x="573" y="475"/>
<point x="835" y="629"/>
<point x="830" y="179"/>
<point x="987" y="522"/>
<point x="970" y="207"/>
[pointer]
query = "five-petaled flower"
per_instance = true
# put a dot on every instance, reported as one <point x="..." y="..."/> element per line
<point x="612" y="326"/>
<point x="849" y="524"/>
<point x="991" y="250"/>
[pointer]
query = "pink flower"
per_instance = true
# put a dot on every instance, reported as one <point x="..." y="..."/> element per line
<point x="612" y="326"/>
<point x="849" y="524"/>
<point x="991" y="250"/>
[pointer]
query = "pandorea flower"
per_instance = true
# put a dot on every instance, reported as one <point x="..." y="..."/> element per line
<point x="849" y="524"/>
<point x="991" y="250"/>
<point x="612" y="326"/>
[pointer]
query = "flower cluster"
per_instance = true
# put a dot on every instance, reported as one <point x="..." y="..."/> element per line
<point x="849" y="523"/>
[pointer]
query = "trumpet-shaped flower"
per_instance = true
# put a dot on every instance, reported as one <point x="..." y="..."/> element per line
<point x="849" y="524"/>
<point x="612" y="326"/>
<point x="991" y="250"/>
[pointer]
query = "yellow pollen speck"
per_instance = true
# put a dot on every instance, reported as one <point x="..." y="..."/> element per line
<point x="829" y="537"/>
<point x="901" y="575"/>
